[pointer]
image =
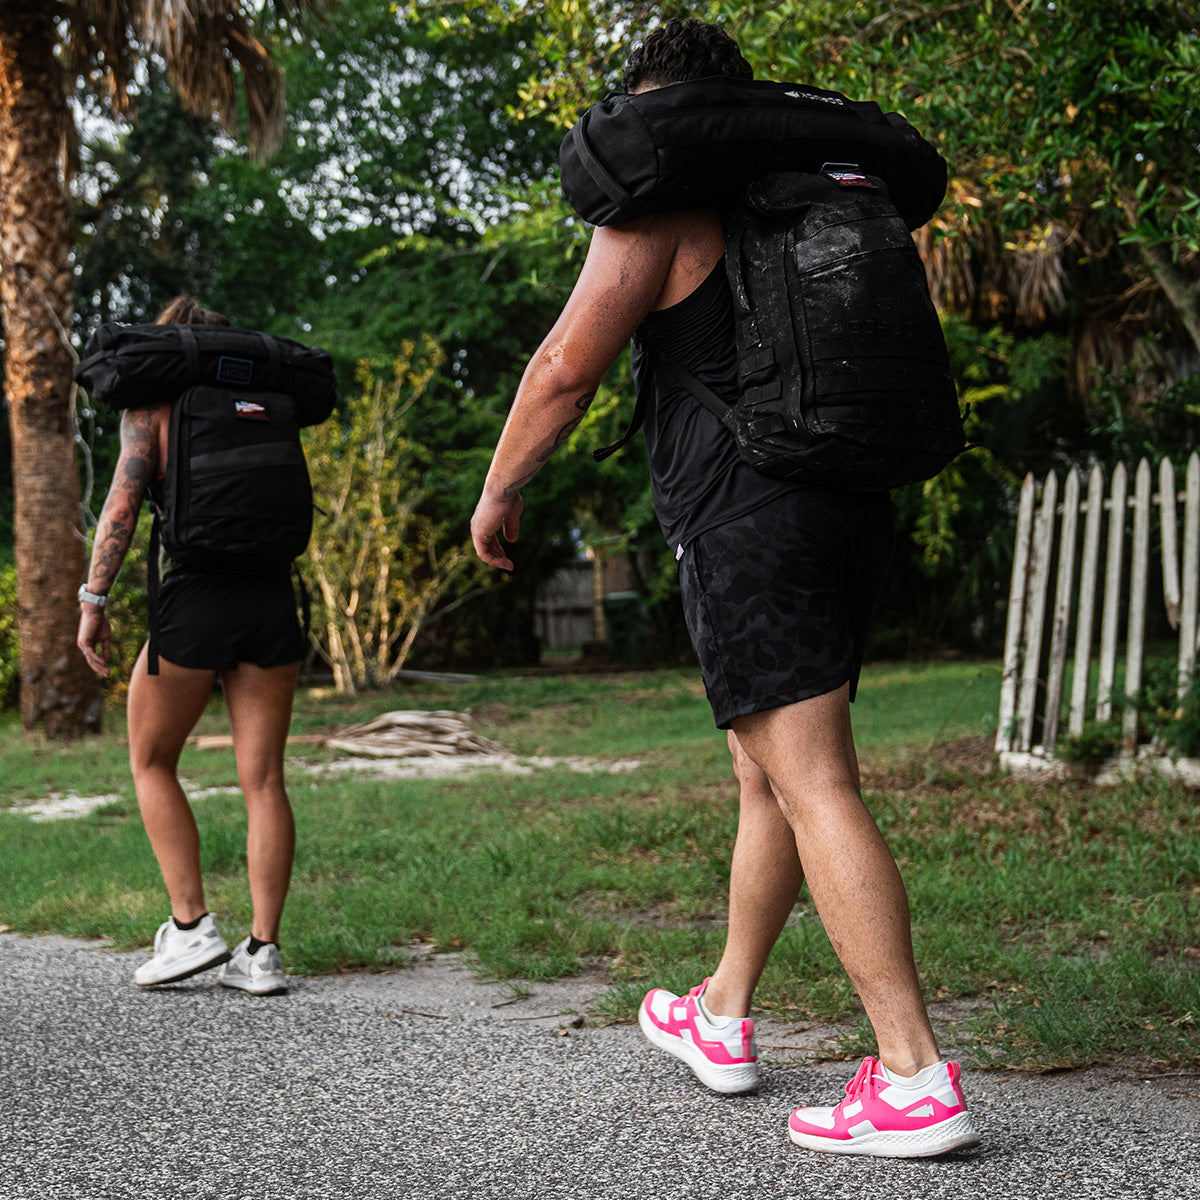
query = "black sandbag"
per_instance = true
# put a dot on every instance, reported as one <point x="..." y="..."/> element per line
<point x="130" y="366"/>
<point x="700" y="143"/>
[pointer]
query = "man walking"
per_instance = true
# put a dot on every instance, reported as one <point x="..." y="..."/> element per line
<point x="777" y="579"/>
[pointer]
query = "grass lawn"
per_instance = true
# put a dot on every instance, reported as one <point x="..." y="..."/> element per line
<point x="1061" y="919"/>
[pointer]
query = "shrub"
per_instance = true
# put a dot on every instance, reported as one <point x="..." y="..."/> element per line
<point x="10" y="644"/>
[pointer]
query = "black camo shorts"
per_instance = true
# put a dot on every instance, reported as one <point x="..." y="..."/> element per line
<point x="778" y="601"/>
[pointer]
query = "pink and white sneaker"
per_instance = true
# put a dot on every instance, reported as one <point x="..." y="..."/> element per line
<point x="719" y="1050"/>
<point x="879" y="1117"/>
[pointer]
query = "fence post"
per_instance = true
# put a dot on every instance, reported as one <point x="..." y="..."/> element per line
<point x="1191" y="574"/>
<point x="1087" y="601"/>
<point x="1018" y="586"/>
<point x="1063" y="589"/>
<point x="1135" y="632"/>
<point x="1043" y="545"/>
<point x="1112" y="592"/>
<point x="1170" y="540"/>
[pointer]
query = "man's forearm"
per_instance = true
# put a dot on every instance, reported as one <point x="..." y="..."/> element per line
<point x="530" y="437"/>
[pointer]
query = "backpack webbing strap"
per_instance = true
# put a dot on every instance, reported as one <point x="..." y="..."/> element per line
<point x="152" y="589"/>
<point x="719" y="408"/>
<point x="600" y="174"/>
<point x="715" y="405"/>
<point x="635" y="423"/>
<point x="274" y="363"/>
<point x="191" y="351"/>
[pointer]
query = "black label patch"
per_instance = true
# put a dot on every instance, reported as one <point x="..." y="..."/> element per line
<point x="236" y="371"/>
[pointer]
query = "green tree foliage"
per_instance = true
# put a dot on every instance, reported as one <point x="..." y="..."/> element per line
<point x="165" y="205"/>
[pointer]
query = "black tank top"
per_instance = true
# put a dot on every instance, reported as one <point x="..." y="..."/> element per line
<point x="696" y="475"/>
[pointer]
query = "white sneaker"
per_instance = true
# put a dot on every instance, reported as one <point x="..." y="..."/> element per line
<point x="259" y="974"/>
<point x="180" y="953"/>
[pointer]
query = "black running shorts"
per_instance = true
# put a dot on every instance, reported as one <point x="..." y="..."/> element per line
<point x="777" y="601"/>
<point x="214" y="622"/>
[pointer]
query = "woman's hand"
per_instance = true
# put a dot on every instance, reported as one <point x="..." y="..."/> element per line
<point x="94" y="637"/>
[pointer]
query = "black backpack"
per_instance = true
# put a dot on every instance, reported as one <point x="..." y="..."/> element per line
<point x="844" y="379"/>
<point x="235" y="496"/>
<point x="843" y="375"/>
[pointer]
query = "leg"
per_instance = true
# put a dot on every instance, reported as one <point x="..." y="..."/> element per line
<point x="807" y="749"/>
<point x="162" y="710"/>
<point x="260" y="711"/>
<point x="764" y="882"/>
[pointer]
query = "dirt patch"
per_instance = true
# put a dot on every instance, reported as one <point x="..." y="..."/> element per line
<point x="461" y="766"/>
<point x="946" y="766"/>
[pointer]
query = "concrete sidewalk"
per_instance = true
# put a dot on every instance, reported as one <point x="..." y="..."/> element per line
<point x="425" y="1083"/>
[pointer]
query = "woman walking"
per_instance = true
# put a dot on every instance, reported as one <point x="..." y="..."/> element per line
<point x="243" y="628"/>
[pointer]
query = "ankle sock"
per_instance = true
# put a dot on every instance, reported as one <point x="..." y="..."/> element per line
<point x="712" y="1018"/>
<point x="188" y="924"/>
<point x="922" y="1078"/>
<point x="255" y="945"/>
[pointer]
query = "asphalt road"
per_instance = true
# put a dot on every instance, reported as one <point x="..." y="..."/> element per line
<point x="424" y="1083"/>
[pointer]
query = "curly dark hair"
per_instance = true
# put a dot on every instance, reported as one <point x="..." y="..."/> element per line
<point x="681" y="50"/>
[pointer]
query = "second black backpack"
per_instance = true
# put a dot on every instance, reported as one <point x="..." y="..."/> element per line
<point x="235" y="496"/>
<point x="844" y="379"/>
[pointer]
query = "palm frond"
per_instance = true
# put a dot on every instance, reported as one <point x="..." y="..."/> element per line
<point x="96" y="44"/>
<point x="209" y="48"/>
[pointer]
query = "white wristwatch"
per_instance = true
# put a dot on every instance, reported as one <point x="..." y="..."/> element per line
<point x="99" y="599"/>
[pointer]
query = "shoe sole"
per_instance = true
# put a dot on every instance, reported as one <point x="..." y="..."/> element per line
<point x="274" y="989"/>
<point x="955" y="1133"/>
<point x="222" y="957"/>
<point x="730" y="1080"/>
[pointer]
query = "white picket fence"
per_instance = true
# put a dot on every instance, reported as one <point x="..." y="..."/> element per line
<point x="1049" y="625"/>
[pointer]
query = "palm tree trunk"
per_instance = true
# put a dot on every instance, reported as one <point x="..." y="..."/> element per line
<point x="58" y="693"/>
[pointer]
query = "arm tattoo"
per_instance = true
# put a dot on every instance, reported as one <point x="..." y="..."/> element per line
<point x="581" y="406"/>
<point x="139" y="453"/>
<point x="136" y="467"/>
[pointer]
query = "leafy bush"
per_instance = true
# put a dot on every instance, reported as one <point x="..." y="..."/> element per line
<point x="10" y="645"/>
<point x="1170" y="721"/>
<point x="382" y="566"/>
<point x="1096" y="744"/>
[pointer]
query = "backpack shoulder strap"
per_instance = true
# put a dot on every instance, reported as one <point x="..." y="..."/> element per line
<point x="153" y="588"/>
<point x="699" y="391"/>
<point x="635" y="423"/>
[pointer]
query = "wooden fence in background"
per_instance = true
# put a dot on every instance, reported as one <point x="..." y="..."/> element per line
<point x="1064" y="592"/>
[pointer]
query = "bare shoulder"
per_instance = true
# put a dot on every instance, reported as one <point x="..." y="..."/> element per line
<point x="144" y="422"/>
<point x="142" y="435"/>
<point x="697" y="243"/>
<point x="691" y="226"/>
